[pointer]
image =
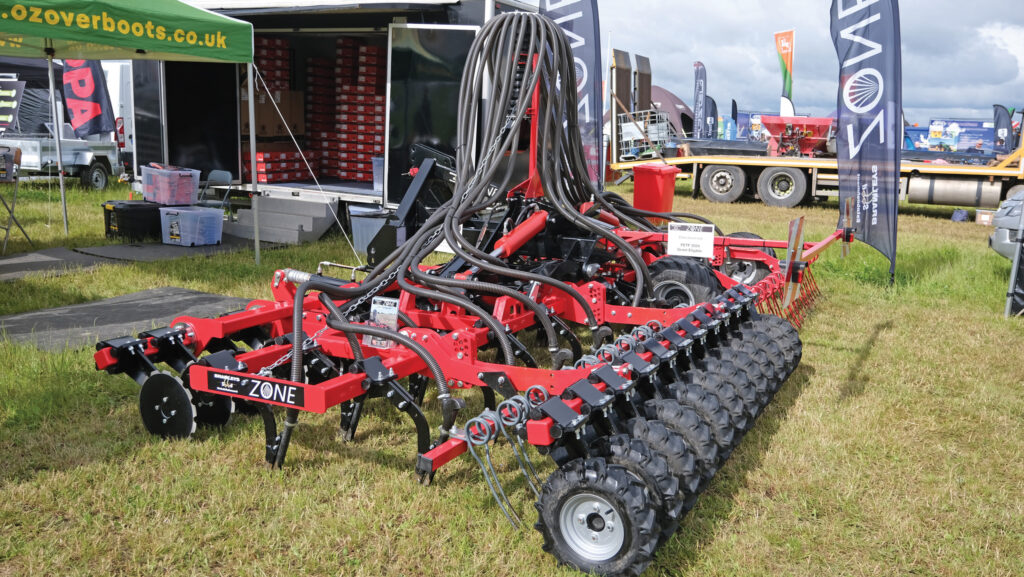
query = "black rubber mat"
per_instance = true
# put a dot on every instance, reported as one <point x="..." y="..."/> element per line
<point x="150" y="251"/>
<point x="86" y="324"/>
<point x="55" y="261"/>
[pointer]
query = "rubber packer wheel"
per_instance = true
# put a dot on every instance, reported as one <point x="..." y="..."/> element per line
<point x="708" y="369"/>
<point x="677" y="453"/>
<point x="711" y="411"/>
<point x="682" y="281"/>
<point x="782" y="186"/>
<point x="596" y="518"/>
<point x="689" y="424"/>
<point x="748" y="272"/>
<point x="651" y="469"/>
<point x="166" y="407"/>
<point x="727" y="396"/>
<point x="720" y="183"/>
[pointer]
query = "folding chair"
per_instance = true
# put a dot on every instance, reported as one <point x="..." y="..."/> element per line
<point x="9" y="161"/>
<point x="208" y="195"/>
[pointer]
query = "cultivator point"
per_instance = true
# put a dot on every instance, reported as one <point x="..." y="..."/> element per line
<point x="649" y="368"/>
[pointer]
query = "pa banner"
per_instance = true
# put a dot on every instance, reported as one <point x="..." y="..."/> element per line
<point x="10" y="99"/>
<point x="700" y="80"/>
<point x="870" y="103"/>
<point x="86" y="97"/>
<point x="784" y="46"/>
<point x="1003" y="130"/>
<point x="578" y="18"/>
<point x="711" y="118"/>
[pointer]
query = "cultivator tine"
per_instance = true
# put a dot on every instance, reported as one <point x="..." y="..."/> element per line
<point x="513" y="413"/>
<point x="480" y="431"/>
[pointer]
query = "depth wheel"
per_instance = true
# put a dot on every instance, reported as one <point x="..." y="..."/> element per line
<point x="746" y="272"/>
<point x="166" y="407"/>
<point x="682" y="282"/>
<point x="596" y="518"/>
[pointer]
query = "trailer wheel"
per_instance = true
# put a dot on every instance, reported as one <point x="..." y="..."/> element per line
<point x="722" y="183"/>
<point x="166" y="407"/>
<point x="682" y="282"/>
<point x="596" y="518"/>
<point x="96" y="176"/>
<point x="782" y="186"/>
<point x="746" y="272"/>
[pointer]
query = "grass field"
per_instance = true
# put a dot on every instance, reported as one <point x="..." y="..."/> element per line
<point x="894" y="449"/>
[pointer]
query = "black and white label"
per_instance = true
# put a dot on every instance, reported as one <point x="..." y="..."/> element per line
<point x="696" y="240"/>
<point x="256" y="389"/>
<point x="383" y="315"/>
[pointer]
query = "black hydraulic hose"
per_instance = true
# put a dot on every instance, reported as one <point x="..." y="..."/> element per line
<point x="406" y="320"/>
<point x="353" y="342"/>
<point x="407" y="342"/>
<point x="314" y="283"/>
<point x="469" y="254"/>
<point x="499" y="331"/>
<point x="471" y="285"/>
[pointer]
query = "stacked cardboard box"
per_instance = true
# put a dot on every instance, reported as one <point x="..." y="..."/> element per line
<point x="281" y="165"/>
<point x="273" y="58"/>
<point x="359" y="117"/>
<point x="320" y="104"/>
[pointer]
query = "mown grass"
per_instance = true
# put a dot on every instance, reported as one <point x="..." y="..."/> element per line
<point x="894" y="449"/>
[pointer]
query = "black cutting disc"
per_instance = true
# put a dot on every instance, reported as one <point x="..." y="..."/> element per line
<point x="213" y="410"/>
<point x="166" y="407"/>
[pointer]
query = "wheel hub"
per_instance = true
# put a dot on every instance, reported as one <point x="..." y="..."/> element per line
<point x="676" y="294"/>
<point x="722" y="181"/>
<point x="782" y="186"/>
<point x="591" y="526"/>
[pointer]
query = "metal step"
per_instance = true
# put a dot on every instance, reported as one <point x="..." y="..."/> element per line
<point x="287" y="218"/>
<point x="272" y="234"/>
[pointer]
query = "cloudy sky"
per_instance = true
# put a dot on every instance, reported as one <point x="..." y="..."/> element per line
<point x="959" y="56"/>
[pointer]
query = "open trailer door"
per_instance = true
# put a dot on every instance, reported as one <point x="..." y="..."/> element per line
<point x="187" y="114"/>
<point x="425" y="63"/>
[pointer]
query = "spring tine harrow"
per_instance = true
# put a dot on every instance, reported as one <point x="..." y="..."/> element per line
<point x="512" y="413"/>
<point x="480" y="432"/>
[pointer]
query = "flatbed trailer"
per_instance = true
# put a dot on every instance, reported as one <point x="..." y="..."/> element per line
<point x="788" y="181"/>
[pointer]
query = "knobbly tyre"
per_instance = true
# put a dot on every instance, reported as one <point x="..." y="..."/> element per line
<point x="655" y="368"/>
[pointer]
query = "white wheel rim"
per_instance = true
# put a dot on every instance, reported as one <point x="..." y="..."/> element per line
<point x="592" y="527"/>
<point x="773" y="185"/>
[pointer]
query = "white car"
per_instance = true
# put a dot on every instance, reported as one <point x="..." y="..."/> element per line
<point x="1007" y="222"/>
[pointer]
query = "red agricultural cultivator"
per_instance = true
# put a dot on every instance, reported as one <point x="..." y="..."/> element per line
<point x="647" y="368"/>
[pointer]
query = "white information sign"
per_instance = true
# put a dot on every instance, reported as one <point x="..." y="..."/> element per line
<point x="689" y="239"/>
<point x="383" y="315"/>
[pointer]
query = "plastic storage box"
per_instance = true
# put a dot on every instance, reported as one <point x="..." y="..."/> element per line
<point x="170" y="185"/>
<point x="191" y="225"/>
<point x="131" y="219"/>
